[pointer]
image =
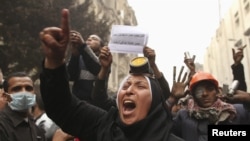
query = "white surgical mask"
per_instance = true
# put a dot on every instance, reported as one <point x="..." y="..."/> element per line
<point x="22" y="101"/>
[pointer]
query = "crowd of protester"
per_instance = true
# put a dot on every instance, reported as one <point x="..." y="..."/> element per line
<point x="144" y="108"/>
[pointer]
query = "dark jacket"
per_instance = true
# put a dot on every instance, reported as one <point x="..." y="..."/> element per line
<point x="13" y="127"/>
<point x="83" y="70"/>
<point x="83" y="120"/>
<point x="191" y="129"/>
<point x="238" y="74"/>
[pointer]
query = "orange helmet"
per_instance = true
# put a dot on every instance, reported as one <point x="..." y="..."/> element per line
<point x="201" y="76"/>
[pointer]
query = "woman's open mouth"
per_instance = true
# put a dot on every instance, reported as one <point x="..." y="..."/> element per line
<point x="128" y="107"/>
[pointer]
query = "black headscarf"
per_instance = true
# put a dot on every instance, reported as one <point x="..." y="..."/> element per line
<point x="155" y="127"/>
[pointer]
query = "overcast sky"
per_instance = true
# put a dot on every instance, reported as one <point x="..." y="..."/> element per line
<point x="176" y="26"/>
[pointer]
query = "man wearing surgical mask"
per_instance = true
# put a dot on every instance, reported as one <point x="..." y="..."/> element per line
<point x="16" y="123"/>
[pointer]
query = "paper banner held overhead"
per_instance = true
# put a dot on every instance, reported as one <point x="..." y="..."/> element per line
<point x="127" y="39"/>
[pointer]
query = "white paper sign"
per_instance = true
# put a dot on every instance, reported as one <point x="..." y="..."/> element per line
<point x="127" y="39"/>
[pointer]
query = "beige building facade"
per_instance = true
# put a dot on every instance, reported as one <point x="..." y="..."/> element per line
<point x="233" y="32"/>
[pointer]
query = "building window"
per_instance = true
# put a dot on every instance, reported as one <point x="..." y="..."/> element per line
<point x="247" y="7"/>
<point x="237" y="20"/>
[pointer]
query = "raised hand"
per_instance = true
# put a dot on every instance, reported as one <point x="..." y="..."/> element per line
<point x="150" y="54"/>
<point x="238" y="97"/>
<point x="179" y="86"/>
<point x="105" y="58"/>
<point x="55" y="42"/>
<point x="190" y="64"/>
<point x="76" y="38"/>
<point x="238" y="56"/>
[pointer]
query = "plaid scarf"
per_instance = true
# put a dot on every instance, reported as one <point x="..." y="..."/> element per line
<point x="218" y="112"/>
